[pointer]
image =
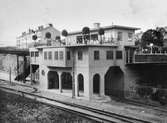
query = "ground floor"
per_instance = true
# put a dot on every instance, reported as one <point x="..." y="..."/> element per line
<point x="82" y="83"/>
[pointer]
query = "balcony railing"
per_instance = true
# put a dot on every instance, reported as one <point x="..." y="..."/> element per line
<point x="150" y="58"/>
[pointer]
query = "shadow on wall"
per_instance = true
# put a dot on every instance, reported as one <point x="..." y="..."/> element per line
<point x="151" y="84"/>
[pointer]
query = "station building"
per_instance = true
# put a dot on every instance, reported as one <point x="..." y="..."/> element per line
<point x="85" y="70"/>
<point x="45" y="35"/>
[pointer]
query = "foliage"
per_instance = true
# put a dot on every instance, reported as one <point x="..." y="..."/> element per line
<point x="152" y="36"/>
<point x="101" y="31"/>
<point x="64" y="33"/>
<point x="160" y="95"/>
<point x="48" y="35"/>
<point x="85" y="30"/>
<point x="34" y="37"/>
<point x="144" y="91"/>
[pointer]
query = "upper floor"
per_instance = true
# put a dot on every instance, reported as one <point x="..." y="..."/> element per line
<point x="115" y="34"/>
<point x="77" y="56"/>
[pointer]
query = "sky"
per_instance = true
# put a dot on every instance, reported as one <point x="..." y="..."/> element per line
<point x="17" y="16"/>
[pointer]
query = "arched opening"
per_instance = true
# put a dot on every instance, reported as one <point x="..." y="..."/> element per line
<point x="66" y="80"/>
<point x="53" y="80"/>
<point x="114" y="82"/>
<point x="96" y="84"/>
<point x="80" y="82"/>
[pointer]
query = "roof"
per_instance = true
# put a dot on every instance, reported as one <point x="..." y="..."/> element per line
<point x="106" y="28"/>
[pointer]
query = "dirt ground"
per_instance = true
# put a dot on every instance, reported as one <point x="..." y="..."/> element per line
<point x="17" y="109"/>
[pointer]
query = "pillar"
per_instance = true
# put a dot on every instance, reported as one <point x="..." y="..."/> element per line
<point x="114" y="57"/>
<point x="60" y="82"/>
<point x="31" y="79"/>
<point x="73" y="74"/>
<point x="17" y="65"/>
<point x="102" y="84"/>
<point x="24" y="68"/>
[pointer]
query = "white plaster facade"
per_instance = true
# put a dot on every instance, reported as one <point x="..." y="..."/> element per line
<point x="88" y="66"/>
<point x="26" y="41"/>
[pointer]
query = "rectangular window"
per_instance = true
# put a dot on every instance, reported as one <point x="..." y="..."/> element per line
<point x="119" y="36"/>
<point x="56" y="55"/>
<point x="109" y="55"/>
<point x="45" y="55"/>
<point x="118" y="54"/>
<point x="68" y="55"/>
<point x="80" y="55"/>
<point x="50" y="55"/>
<point x="96" y="55"/>
<point x="130" y="35"/>
<point x="36" y="54"/>
<point x="32" y="54"/>
<point x="61" y="55"/>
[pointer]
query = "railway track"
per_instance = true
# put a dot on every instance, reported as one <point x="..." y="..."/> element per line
<point x="151" y="106"/>
<point x="84" y="111"/>
<point x="142" y="104"/>
<point x="127" y="101"/>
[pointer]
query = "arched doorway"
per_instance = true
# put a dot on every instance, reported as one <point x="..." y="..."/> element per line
<point x="96" y="84"/>
<point x="114" y="82"/>
<point x="80" y="83"/>
<point x="66" y="80"/>
<point x="53" y="80"/>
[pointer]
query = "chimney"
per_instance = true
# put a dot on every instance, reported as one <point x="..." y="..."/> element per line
<point x="40" y="28"/>
<point x="96" y="25"/>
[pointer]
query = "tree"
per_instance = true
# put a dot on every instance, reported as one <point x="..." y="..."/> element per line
<point x="101" y="32"/>
<point x="34" y="37"/>
<point x="48" y="35"/>
<point x="152" y="36"/>
<point x="64" y="33"/>
<point x="86" y="34"/>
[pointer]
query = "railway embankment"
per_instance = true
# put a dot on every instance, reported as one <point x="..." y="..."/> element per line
<point x="101" y="111"/>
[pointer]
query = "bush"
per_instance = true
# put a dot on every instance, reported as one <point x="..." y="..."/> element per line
<point x="144" y="91"/>
<point x="161" y="96"/>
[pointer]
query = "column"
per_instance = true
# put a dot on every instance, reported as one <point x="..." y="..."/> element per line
<point x="60" y="82"/>
<point x="128" y="56"/>
<point x="114" y="57"/>
<point x="24" y="68"/>
<point x="17" y="65"/>
<point x="102" y="85"/>
<point x="73" y="74"/>
<point x="31" y="79"/>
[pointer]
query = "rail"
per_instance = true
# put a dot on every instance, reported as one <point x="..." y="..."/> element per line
<point x="86" y="111"/>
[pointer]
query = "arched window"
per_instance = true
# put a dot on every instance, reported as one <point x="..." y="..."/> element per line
<point x="80" y="82"/>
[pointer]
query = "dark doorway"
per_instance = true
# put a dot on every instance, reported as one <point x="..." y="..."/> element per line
<point x="80" y="82"/>
<point x="53" y="80"/>
<point x="96" y="84"/>
<point x="66" y="80"/>
<point x="114" y="82"/>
